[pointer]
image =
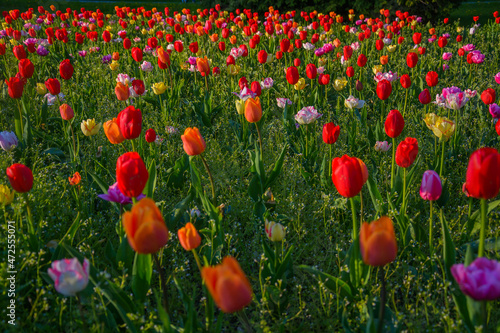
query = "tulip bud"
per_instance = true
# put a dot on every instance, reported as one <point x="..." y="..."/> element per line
<point x="431" y="187"/>
<point x="275" y="231"/>
<point x="359" y="85"/>
<point x="150" y="135"/>
<point x="253" y="110"/>
<point x="66" y="111"/>
<point x="189" y="237"/>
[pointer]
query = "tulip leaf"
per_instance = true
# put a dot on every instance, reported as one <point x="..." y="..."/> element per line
<point x="141" y="275"/>
<point x="333" y="283"/>
<point x="73" y="229"/>
<point x="125" y="254"/>
<point x="474" y="219"/>
<point x="195" y="177"/>
<point x="179" y="209"/>
<point x="375" y="195"/>
<point x="448" y="245"/>
<point x="278" y="165"/>
<point x="175" y="174"/>
<point x="149" y="190"/>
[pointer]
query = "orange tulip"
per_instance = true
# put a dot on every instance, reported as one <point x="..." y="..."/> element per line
<point x="163" y="56"/>
<point x="112" y="131"/>
<point x="193" y="141"/>
<point x="121" y="91"/>
<point x="116" y="56"/>
<point x="253" y="110"/>
<point x="145" y="228"/>
<point x="228" y="285"/>
<point x="232" y="39"/>
<point x="199" y="31"/>
<point x="384" y="60"/>
<point x="214" y="37"/>
<point x="377" y="241"/>
<point x="189" y="237"/>
<point x="203" y="66"/>
<point x="75" y="180"/>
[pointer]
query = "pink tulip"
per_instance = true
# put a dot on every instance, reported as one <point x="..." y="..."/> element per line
<point x="497" y="78"/>
<point x="69" y="275"/>
<point x="431" y="186"/>
<point x="480" y="280"/>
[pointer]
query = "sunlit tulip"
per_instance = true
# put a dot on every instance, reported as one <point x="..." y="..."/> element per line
<point x="347" y="176"/>
<point x="300" y="85"/>
<point x="66" y="111"/>
<point x="483" y="178"/>
<point x="406" y="153"/>
<point x="20" y="177"/>
<point x="112" y="131"/>
<point x="6" y="195"/>
<point x="339" y="84"/>
<point x="431" y="187"/>
<point x="189" y="237"/>
<point x="193" y="142"/>
<point x="275" y="231"/>
<point x="480" y="280"/>
<point x="130" y="122"/>
<point x="307" y="115"/>
<point x="90" y="127"/>
<point x="253" y="110"/>
<point x="377" y="242"/>
<point x="159" y="88"/>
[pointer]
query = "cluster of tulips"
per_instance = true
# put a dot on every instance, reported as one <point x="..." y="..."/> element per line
<point x="294" y="57"/>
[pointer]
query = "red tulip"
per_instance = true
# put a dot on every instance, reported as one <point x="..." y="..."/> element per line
<point x="347" y="52"/>
<point x="311" y="71"/>
<point x="284" y="45"/>
<point x="330" y="133"/>
<point x="127" y="43"/>
<point x="137" y="54"/>
<point x="256" y="88"/>
<point x="425" y="96"/>
<point x="296" y="62"/>
<point x="15" y="86"/>
<point x="292" y="75"/>
<point x="497" y="127"/>
<point x="138" y="87"/>
<point x="417" y="37"/>
<point x="406" y="152"/>
<point x="193" y="47"/>
<point x="20" y="177"/>
<point x="66" y="69"/>
<point x="26" y="68"/>
<point x="347" y="176"/>
<point x="130" y="122"/>
<point x="242" y="82"/>
<point x="384" y="89"/>
<point x="432" y="79"/>
<point x="19" y="52"/>
<point x="411" y="59"/>
<point x="131" y="174"/>
<point x="106" y="36"/>
<point x="262" y="56"/>
<point x="324" y="79"/>
<point x="488" y="96"/>
<point x="53" y="86"/>
<point x="405" y="81"/>
<point x="394" y="124"/>
<point x="150" y="135"/>
<point x="349" y="71"/>
<point x="483" y="179"/>
<point x="362" y="60"/>
<point x="442" y="41"/>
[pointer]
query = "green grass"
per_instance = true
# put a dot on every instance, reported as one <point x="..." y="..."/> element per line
<point x="467" y="11"/>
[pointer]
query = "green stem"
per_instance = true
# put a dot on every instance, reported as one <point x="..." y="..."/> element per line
<point x="197" y="259"/>
<point x="392" y="162"/>
<point x="381" y="310"/>
<point x="442" y="160"/>
<point x="484" y="315"/>
<point x="403" y="207"/>
<point x="482" y="234"/>
<point x="260" y="139"/>
<point x="354" y="224"/>
<point x="430" y="230"/>
<point x="163" y="281"/>
<point x="244" y="320"/>
<point x="209" y="176"/>
<point x="406" y="98"/>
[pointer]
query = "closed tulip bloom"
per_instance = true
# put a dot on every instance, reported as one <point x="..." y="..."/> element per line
<point x="482" y="178"/>
<point x="163" y="56"/>
<point x="417" y="37"/>
<point x="19" y="52"/>
<point x="228" y="285"/>
<point x="480" y="280"/>
<point x="203" y="66"/>
<point x="53" y="86"/>
<point x="69" y="276"/>
<point x="330" y="133"/>
<point x="394" y="124"/>
<point x="488" y="96"/>
<point x="122" y="91"/>
<point x="324" y="79"/>
<point x="193" y="142"/>
<point x="405" y="81"/>
<point x="275" y="231"/>
<point x="425" y="96"/>
<point x="130" y="122"/>
<point x="90" y="127"/>
<point x="189" y="237"/>
<point x="384" y="89"/>
<point x="137" y="54"/>
<point x="262" y="56"/>
<point x="20" y="177"/>
<point x="145" y="227"/>
<point x="41" y="89"/>
<point x="406" y="153"/>
<point x="292" y="75"/>
<point x="377" y="242"/>
<point x="150" y="135"/>
<point x="431" y="187"/>
<point x="131" y="174"/>
<point x="26" y="68"/>
<point x="8" y="140"/>
<point x="443" y="128"/>
<point x="256" y="88"/>
<point x="253" y="110"/>
<point x="112" y="131"/>
<point x="240" y="106"/>
<point x="412" y="59"/>
<point x="431" y="79"/>
<point x="6" y="195"/>
<point x="159" y="88"/>
<point x="66" y="111"/>
<point x="15" y="86"/>
<point x="362" y="60"/>
<point x="66" y="69"/>
<point x="442" y="41"/>
<point x="497" y="128"/>
<point x="347" y="176"/>
<point x="349" y="71"/>
<point x="138" y="87"/>
<point x="311" y="71"/>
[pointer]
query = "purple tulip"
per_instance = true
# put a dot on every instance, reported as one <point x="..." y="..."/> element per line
<point x="480" y="280"/>
<point x="494" y="110"/>
<point x="115" y="195"/>
<point x="431" y="186"/>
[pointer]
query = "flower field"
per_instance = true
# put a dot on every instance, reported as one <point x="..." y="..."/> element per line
<point x="215" y="171"/>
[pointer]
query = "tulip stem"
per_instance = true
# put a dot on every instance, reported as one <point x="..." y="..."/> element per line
<point x="381" y="309"/>
<point x="392" y="163"/>
<point x="209" y="176"/>
<point x="442" y="160"/>
<point x="484" y="212"/>
<point x="82" y="317"/>
<point x="244" y="320"/>
<point x="260" y="139"/>
<point x="31" y="230"/>
<point x="403" y="207"/>
<point x="406" y="98"/>
<point x="354" y="234"/>
<point x="21" y="120"/>
<point x="163" y="280"/>
<point x="484" y="314"/>
<point x="197" y="259"/>
<point x="431" y="248"/>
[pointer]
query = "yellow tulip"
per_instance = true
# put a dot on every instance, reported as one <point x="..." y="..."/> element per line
<point x="233" y="69"/>
<point x="301" y="84"/>
<point x="159" y="88"/>
<point x="391" y="48"/>
<point x="240" y="106"/>
<point x="114" y="65"/>
<point x="90" y="127"/>
<point x="377" y="69"/>
<point x="6" y="195"/>
<point x="339" y="84"/>
<point x="442" y="127"/>
<point x="41" y="89"/>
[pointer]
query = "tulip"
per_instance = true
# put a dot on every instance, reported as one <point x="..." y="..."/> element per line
<point x="330" y="133"/>
<point x="130" y="122"/>
<point x="431" y="187"/>
<point x="16" y="87"/>
<point x="362" y="60"/>
<point x="432" y="79"/>
<point x="137" y="54"/>
<point x="66" y="69"/>
<point x="20" y="177"/>
<point x="353" y="103"/>
<point x="339" y="84"/>
<point x="480" y="280"/>
<point x="26" y="68"/>
<point x="382" y="146"/>
<point x="405" y="81"/>
<point x="292" y="75"/>
<point x="262" y="56"/>
<point x="193" y="142"/>
<point x="443" y="128"/>
<point x="384" y="89"/>
<point x="112" y="131"/>
<point x="114" y="65"/>
<point x="8" y="141"/>
<point x="275" y="231"/>
<point x="347" y="176"/>
<point x="41" y="89"/>
<point x="424" y="97"/>
<point x="494" y="110"/>
<point x="203" y="66"/>
<point x="349" y="71"/>
<point x="324" y="79"/>
<point x="483" y="178"/>
<point x="228" y="285"/>
<point x="253" y="110"/>
<point x="412" y="59"/>
<point x="115" y="195"/>
<point x="138" y="88"/>
<point x="150" y="135"/>
<point x="90" y="127"/>
<point x="53" y="86"/>
<point x="497" y="128"/>
<point x="122" y="91"/>
<point x="488" y="96"/>
<point x="394" y="124"/>
<point x="145" y="227"/>
<point x="6" y="195"/>
<point x="377" y="242"/>
<point x="256" y="88"/>
<point x="406" y="152"/>
<point x="131" y="174"/>
<point x="307" y="115"/>
<point x="311" y="71"/>
<point x="69" y="276"/>
<point x="75" y="180"/>
<point x="189" y="237"/>
<point x="300" y="85"/>
<point x="159" y="88"/>
<point x="19" y="52"/>
<point x="66" y="111"/>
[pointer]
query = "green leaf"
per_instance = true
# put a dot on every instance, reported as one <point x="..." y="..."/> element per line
<point x="375" y="195"/>
<point x="73" y="229"/>
<point x="195" y="176"/>
<point x="149" y="189"/>
<point x="255" y="189"/>
<point x="333" y="283"/>
<point x="278" y="165"/>
<point x="141" y="275"/>
<point x="448" y="245"/>
<point x="179" y="209"/>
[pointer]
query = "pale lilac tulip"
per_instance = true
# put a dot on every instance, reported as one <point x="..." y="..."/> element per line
<point x="382" y="146"/>
<point x="282" y="102"/>
<point x="480" y="280"/>
<point x="307" y="115"/>
<point x="146" y="66"/>
<point x="354" y="103"/>
<point x="8" y="140"/>
<point x="267" y="83"/>
<point x="69" y="275"/>
<point x="431" y="187"/>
